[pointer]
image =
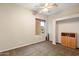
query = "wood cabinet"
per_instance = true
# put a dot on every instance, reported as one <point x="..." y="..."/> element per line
<point x="64" y="39"/>
<point x="72" y="40"/>
<point x="68" y="40"/>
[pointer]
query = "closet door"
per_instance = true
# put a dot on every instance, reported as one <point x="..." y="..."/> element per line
<point x="64" y="39"/>
<point x="72" y="40"/>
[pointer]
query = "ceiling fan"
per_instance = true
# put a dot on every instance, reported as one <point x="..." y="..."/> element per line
<point x="48" y="5"/>
<point x="44" y="7"/>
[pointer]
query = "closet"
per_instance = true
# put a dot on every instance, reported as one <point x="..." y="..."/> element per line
<point x="68" y="39"/>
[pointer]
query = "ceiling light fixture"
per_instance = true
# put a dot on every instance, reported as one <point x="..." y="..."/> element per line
<point x="47" y="7"/>
<point x="46" y="4"/>
<point x="45" y="10"/>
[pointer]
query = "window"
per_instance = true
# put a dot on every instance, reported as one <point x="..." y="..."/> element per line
<point x="40" y="25"/>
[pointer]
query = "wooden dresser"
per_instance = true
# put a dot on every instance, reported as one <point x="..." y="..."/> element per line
<point x="68" y="39"/>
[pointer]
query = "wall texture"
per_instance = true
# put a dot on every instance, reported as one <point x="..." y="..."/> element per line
<point x="17" y="27"/>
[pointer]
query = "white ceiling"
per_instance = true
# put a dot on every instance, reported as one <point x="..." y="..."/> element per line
<point x="36" y="7"/>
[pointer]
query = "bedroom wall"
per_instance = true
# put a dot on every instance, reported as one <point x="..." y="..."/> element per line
<point x="17" y="27"/>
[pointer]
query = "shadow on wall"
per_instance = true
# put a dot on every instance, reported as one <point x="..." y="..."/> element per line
<point x="68" y="20"/>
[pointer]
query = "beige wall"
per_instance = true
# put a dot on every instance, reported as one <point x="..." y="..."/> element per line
<point x="17" y="27"/>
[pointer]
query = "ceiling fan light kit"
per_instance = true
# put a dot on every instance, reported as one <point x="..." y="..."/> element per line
<point x="47" y="6"/>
